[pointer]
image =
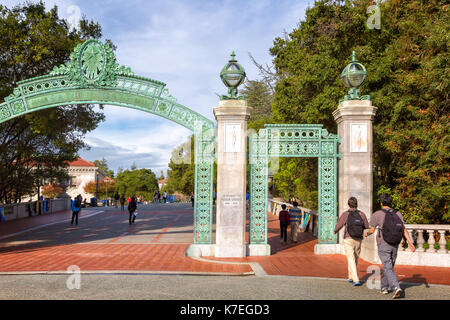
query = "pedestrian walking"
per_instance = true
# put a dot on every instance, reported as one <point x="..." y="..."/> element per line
<point x="355" y="222"/>
<point x="76" y="208"/>
<point x="165" y="197"/>
<point x="155" y="196"/>
<point x="295" y="216"/>
<point x="116" y="199"/>
<point x="132" y="207"/>
<point x="284" y="222"/>
<point x="192" y="199"/>
<point x="391" y="231"/>
<point x="122" y="203"/>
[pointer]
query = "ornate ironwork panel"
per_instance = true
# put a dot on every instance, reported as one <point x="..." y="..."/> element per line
<point x="293" y="140"/>
<point x="203" y="202"/>
<point x="92" y="76"/>
<point x="258" y="187"/>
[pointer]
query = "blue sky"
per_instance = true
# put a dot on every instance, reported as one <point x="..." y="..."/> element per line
<point x="184" y="43"/>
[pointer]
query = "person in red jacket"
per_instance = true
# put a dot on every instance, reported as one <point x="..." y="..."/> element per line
<point x="284" y="222"/>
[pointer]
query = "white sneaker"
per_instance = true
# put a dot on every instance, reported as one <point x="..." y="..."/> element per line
<point x="397" y="293"/>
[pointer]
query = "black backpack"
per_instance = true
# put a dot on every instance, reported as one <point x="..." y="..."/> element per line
<point x="77" y="203"/>
<point x="355" y="224"/>
<point x="392" y="228"/>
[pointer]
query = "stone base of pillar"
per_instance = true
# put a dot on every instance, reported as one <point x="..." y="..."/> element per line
<point x="258" y="250"/>
<point x="230" y="251"/>
<point x="212" y="250"/>
<point x="328" y="249"/>
<point x="200" y="250"/>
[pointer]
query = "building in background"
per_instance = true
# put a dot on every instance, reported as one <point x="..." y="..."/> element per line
<point x="82" y="172"/>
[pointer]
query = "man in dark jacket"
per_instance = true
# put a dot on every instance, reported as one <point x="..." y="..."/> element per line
<point x="132" y="206"/>
<point x="284" y="222"/>
<point x="116" y="199"/>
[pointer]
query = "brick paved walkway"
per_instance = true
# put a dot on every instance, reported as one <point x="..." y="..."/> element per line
<point x="104" y="241"/>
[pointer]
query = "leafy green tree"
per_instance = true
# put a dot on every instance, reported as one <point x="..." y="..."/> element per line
<point x="139" y="182"/>
<point x="181" y="172"/>
<point x="37" y="146"/>
<point x="407" y="66"/>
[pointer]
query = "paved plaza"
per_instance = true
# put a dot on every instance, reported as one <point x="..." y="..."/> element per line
<point x="147" y="260"/>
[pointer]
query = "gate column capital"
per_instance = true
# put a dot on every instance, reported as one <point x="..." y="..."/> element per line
<point x="229" y="109"/>
<point x="355" y="110"/>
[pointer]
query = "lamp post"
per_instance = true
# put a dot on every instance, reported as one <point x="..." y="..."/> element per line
<point x="106" y="180"/>
<point x="353" y="77"/>
<point x="232" y="75"/>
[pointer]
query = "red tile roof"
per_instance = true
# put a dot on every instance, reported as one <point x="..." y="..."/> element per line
<point x="81" y="163"/>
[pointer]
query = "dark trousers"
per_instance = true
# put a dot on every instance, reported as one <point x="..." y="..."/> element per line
<point x="388" y="255"/>
<point x="75" y="216"/>
<point x="122" y="206"/>
<point x="132" y="217"/>
<point x="283" y="230"/>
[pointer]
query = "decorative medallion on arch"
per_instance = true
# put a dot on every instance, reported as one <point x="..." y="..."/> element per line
<point x="293" y="140"/>
<point x="92" y="76"/>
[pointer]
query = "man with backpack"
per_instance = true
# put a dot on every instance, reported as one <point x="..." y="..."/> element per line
<point x="355" y="222"/>
<point x="76" y="208"/>
<point x="392" y="227"/>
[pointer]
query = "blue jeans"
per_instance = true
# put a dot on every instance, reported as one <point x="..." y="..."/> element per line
<point x="388" y="254"/>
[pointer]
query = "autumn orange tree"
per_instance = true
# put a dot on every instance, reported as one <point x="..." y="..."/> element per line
<point x="91" y="188"/>
<point x="51" y="191"/>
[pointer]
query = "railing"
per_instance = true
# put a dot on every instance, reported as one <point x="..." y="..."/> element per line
<point x="275" y="207"/>
<point x="427" y="237"/>
<point x="33" y="208"/>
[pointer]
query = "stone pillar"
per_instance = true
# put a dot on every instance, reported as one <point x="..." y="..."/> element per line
<point x="354" y="119"/>
<point x="232" y="117"/>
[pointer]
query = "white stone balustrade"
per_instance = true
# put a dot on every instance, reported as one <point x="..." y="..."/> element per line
<point x="421" y="256"/>
<point x="431" y="229"/>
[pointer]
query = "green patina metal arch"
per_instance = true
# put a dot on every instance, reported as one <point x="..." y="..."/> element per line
<point x="92" y="76"/>
<point x="293" y="140"/>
